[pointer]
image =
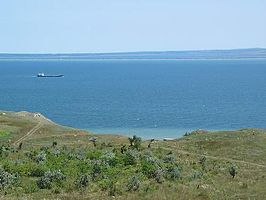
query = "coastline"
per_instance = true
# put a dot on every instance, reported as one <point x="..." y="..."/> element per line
<point x="144" y="133"/>
<point x="126" y="59"/>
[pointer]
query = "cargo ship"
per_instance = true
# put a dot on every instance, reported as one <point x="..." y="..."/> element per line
<point x="44" y="75"/>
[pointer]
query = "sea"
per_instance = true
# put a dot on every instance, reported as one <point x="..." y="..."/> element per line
<point x="148" y="98"/>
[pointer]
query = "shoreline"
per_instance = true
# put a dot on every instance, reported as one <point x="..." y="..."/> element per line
<point x="149" y="133"/>
<point x="126" y="59"/>
<point x="144" y="133"/>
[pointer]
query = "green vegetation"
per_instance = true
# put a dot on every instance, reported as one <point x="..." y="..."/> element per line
<point x="87" y="169"/>
<point x="54" y="162"/>
<point x="3" y="133"/>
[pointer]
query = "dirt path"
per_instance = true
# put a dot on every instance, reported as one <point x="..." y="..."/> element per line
<point x="217" y="158"/>
<point x="28" y="134"/>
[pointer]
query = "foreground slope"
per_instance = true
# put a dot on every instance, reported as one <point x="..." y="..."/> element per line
<point x="42" y="160"/>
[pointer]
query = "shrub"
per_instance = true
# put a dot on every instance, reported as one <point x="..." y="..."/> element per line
<point x="232" y="171"/>
<point x="97" y="166"/>
<point x="158" y="175"/>
<point x="30" y="187"/>
<point x="105" y="184"/>
<point x="80" y="155"/>
<point x="41" y="157"/>
<point x="149" y="169"/>
<point x="148" y="157"/>
<point x="174" y="173"/>
<point x="113" y="190"/>
<point x="169" y="158"/>
<point x="149" y="165"/>
<point x="44" y="148"/>
<point x="6" y="179"/>
<point x="135" y="142"/>
<point x="37" y="171"/>
<point x="30" y="154"/>
<point x="92" y="155"/>
<point x="131" y="157"/>
<point x="56" y="152"/>
<point x="196" y="175"/>
<point x="82" y="181"/>
<point x="45" y="182"/>
<point x="54" y="144"/>
<point x="133" y="183"/>
<point x="71" y="156"/>
<point x="109" y="158"/>
<point x="202" y="160"/>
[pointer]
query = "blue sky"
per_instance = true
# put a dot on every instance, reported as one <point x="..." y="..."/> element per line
<point x="42" y="26"/>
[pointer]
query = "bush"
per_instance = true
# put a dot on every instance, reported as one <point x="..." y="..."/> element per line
<point x="37" y="171"/>
<point x="196" y="175"/>
<point x="174" y="173"/>
<point x="30" y="154"/>
<point x="97" y="168"/>
<point x="109" y="158"/>
<point x="169" y="158"/>
<point x="131" y="157"/>
<point x="41" y="157"/>
<point x="148" y="169"/>
<point x="232" y="171"/>
<point x="30" y="187"/>
<point x="82" y="181"/>
<point x="133" y="183"/>
<point x="148" y="157"/>
<point x="6" y="179"/>
<point x="54" y="144"/>
<point x="45" y="182"/>
<point x="105" y="184"/>
<point x="113" y="190"/>
<point x="149" y="165"/>
<point x="158" y="175"/>
<point x="56" y="152"/>
<point x="135" y="142"/>
<point x="44" y="148"/>
<point x="80" y="155"/>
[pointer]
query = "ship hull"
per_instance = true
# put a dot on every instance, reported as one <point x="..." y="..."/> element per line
<point x="50" y="76"/>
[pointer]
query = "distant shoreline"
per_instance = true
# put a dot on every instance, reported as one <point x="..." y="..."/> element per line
<point x="126" y="59"/>
<point x="233" y="54"/>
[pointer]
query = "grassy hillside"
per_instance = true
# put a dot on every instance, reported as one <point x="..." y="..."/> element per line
<point x="42" y="160"/>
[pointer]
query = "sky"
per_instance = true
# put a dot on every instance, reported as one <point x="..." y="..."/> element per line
<point x="75" y="26"/>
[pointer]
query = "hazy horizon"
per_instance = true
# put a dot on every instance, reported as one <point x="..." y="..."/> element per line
<point x="104" y="26"/>
<point x="148" y="51"/>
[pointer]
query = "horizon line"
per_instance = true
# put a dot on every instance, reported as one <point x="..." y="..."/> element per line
<point x="144" y="51"/>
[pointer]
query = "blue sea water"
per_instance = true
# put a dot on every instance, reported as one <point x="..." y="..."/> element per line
<point x="150" y="98"/>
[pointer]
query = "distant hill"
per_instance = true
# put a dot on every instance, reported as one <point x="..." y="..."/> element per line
<point x="254" y="53"/>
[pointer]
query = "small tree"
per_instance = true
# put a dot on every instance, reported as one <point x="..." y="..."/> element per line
<point x="135" y="142"/>
<point x="54" y="144"/>
<point x="123" y="149"/>
<point x="20" y="146"/>
<point x="232" y="171"/>
<point x="130" y="141"/>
